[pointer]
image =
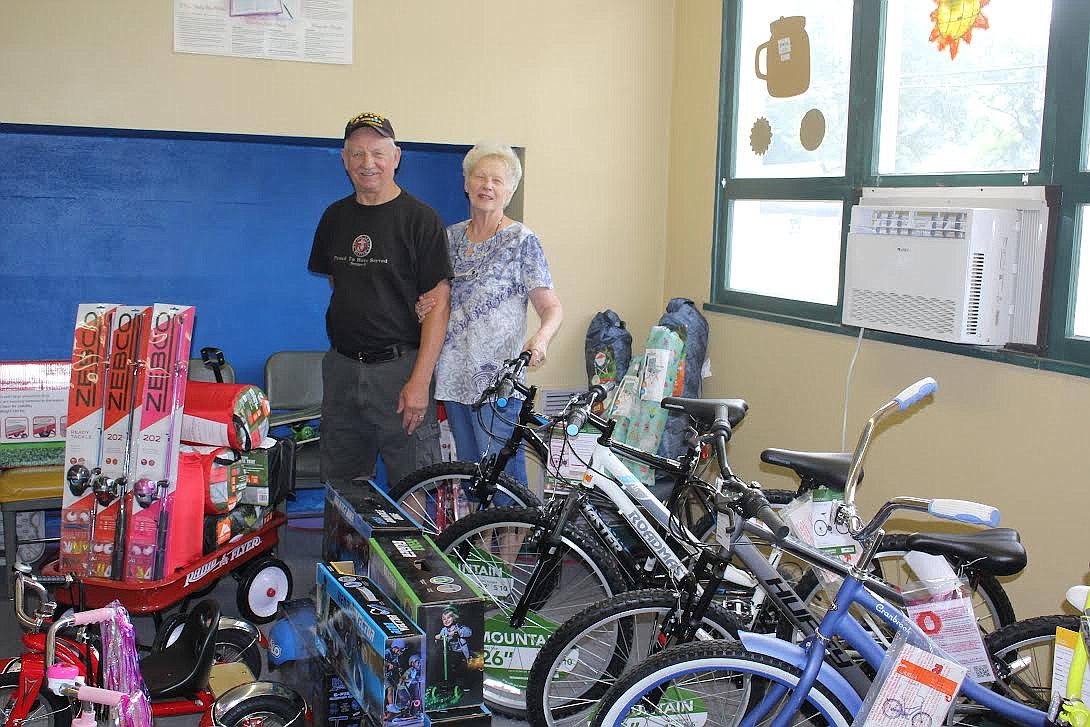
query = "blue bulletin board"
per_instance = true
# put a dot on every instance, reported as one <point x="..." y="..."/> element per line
<point x="222" y="222"/>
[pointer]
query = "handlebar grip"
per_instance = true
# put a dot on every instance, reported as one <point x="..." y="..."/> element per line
<point x="94" y="616"/>
<point x="915" y="392"/>
<point x="576" y="420"/>
<point x="964" y="511"/>
<point x="774" y="522"/>
<point x="53" y="580"/>
<point x="96" y="695"/>
<point x="578" y="416"/>
<point x="503" y="392"/>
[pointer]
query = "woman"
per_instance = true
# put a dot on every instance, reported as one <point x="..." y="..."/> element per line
<point x="498" y="266"/>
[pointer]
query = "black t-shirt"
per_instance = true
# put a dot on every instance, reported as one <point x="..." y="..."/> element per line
<point x="381" y="258"/>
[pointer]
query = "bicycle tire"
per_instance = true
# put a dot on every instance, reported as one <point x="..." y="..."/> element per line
<point x="1028" y="644"/>
<point x="604" y="638"/>
<point x="674" y="670"/>
<point x="415" y="493"/>
<point x="48" y="709"/>
<point x="588" y="573"/>
<point x="990" y="601"/>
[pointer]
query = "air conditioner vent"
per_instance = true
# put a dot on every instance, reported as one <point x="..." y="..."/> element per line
<point x="553" y="401"/>
<point x="972" y="305"/>
<point x="919" y="314"/>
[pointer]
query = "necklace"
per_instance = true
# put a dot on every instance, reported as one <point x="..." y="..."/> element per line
<point x="473" y="245"/>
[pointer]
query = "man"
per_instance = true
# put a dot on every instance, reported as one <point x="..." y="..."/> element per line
<point x="381" y="248"/>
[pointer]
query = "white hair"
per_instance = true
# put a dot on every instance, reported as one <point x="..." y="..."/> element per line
<point x="492" y="150"/>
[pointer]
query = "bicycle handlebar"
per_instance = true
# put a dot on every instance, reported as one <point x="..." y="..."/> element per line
<point x="750" y="502"/>
<point x="915" y="392"/>
<point x="506" y="383"/>
<point x="908" y="397"/>
<point x="54" y="580"/>
<point x="577" y="416"/>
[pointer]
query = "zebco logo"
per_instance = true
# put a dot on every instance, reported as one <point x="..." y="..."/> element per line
<point x="361" y="246"/>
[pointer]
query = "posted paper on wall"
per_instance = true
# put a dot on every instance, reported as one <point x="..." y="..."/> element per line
<point x="315" y="31"/>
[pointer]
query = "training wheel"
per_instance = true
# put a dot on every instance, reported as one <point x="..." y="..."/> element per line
<point x="265" y="583"/>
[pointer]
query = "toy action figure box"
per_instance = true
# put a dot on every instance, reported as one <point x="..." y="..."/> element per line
<point x="447" y="608"/>
<point x="354" y="511"/>
<point x="372" y="644"/>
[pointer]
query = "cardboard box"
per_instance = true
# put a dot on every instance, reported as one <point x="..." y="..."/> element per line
<point x="33" y="412"/>
<point x="448" y="609"/>
<point x="354" y="511"/>
<point x="372" y="644"/>
<point x="475" y="716"/>
<point x="294" y="660"/>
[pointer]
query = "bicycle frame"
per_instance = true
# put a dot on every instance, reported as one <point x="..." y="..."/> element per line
<point x="839" y="622"/>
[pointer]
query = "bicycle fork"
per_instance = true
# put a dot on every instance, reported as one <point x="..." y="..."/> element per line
<point x="548" y="538"/>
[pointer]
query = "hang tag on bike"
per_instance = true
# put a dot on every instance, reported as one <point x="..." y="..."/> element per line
<point x="802" y="515"/>
<point x="1062" y="655"/>
<point x="914" y="688"/>
<point x="568" y="458"/>
<point x="945" y="613"/>
<point x="829" y="535"/>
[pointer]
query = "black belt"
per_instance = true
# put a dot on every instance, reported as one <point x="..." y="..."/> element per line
<point x="390" y="353"/>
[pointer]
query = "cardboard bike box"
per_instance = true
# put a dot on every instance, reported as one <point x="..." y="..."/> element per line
<point x="354" y="511"/>
<point x="448" y="609"/>
<point x="372" y="645"/>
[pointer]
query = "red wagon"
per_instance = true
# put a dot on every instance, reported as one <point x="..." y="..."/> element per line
<point x="264" y="580"/>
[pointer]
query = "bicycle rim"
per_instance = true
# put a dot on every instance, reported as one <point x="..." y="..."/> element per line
<point x="599" y="655"/>
<point x="716" y="686"/>
<point x="498" y="560"/>
<point x="437" y="502"/>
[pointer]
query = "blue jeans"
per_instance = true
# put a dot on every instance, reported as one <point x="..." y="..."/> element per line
<point x="477" y="432"/>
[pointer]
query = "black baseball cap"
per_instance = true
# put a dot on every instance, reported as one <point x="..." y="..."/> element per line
<point x="381" y="124"/>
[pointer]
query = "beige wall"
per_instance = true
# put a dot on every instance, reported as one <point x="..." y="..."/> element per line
<point x="583" y="86"/>
<point x="996" y="433"/>
<point x="586" y="88"/>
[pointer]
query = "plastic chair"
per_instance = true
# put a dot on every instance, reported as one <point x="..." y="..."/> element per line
<point x="293" y="383"/>
<point x="205" y="367"/>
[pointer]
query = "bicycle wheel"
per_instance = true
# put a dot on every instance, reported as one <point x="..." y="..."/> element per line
<point x="48" y="709"/>
<point x="1022" y="654"/>
<point x="439" y="494"/>
<point x="490" y="547"/>
<point x="586" y="655"/>
<point x="712" y="683"/>
<point x="990" y="602"/>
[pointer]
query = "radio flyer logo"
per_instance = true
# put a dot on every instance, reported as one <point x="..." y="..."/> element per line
<point x="361" y="246"/>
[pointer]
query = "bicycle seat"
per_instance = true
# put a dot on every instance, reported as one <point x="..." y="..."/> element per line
<point x="998" y="551"/>
<point x="706" y="411"/>
<point x="182" y="668"/>
<point x="817" y="469"/>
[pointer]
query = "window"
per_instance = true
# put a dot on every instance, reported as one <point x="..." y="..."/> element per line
<point x="822" y="100"/>
<point x="977" y="112"/>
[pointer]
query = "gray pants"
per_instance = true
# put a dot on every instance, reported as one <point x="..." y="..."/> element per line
<point x="360" y="420"/>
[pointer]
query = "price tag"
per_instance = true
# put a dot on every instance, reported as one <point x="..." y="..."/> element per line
<point x="917" y="693"/>
<point x="950" y="622"/>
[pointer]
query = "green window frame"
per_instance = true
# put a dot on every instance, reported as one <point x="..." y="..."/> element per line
<point x="1063" y="164"/>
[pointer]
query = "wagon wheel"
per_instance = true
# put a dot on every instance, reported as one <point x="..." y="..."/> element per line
<point x="265" y="583"/>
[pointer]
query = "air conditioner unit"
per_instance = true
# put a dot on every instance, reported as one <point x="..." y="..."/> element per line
<point x="961" y="274"/>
